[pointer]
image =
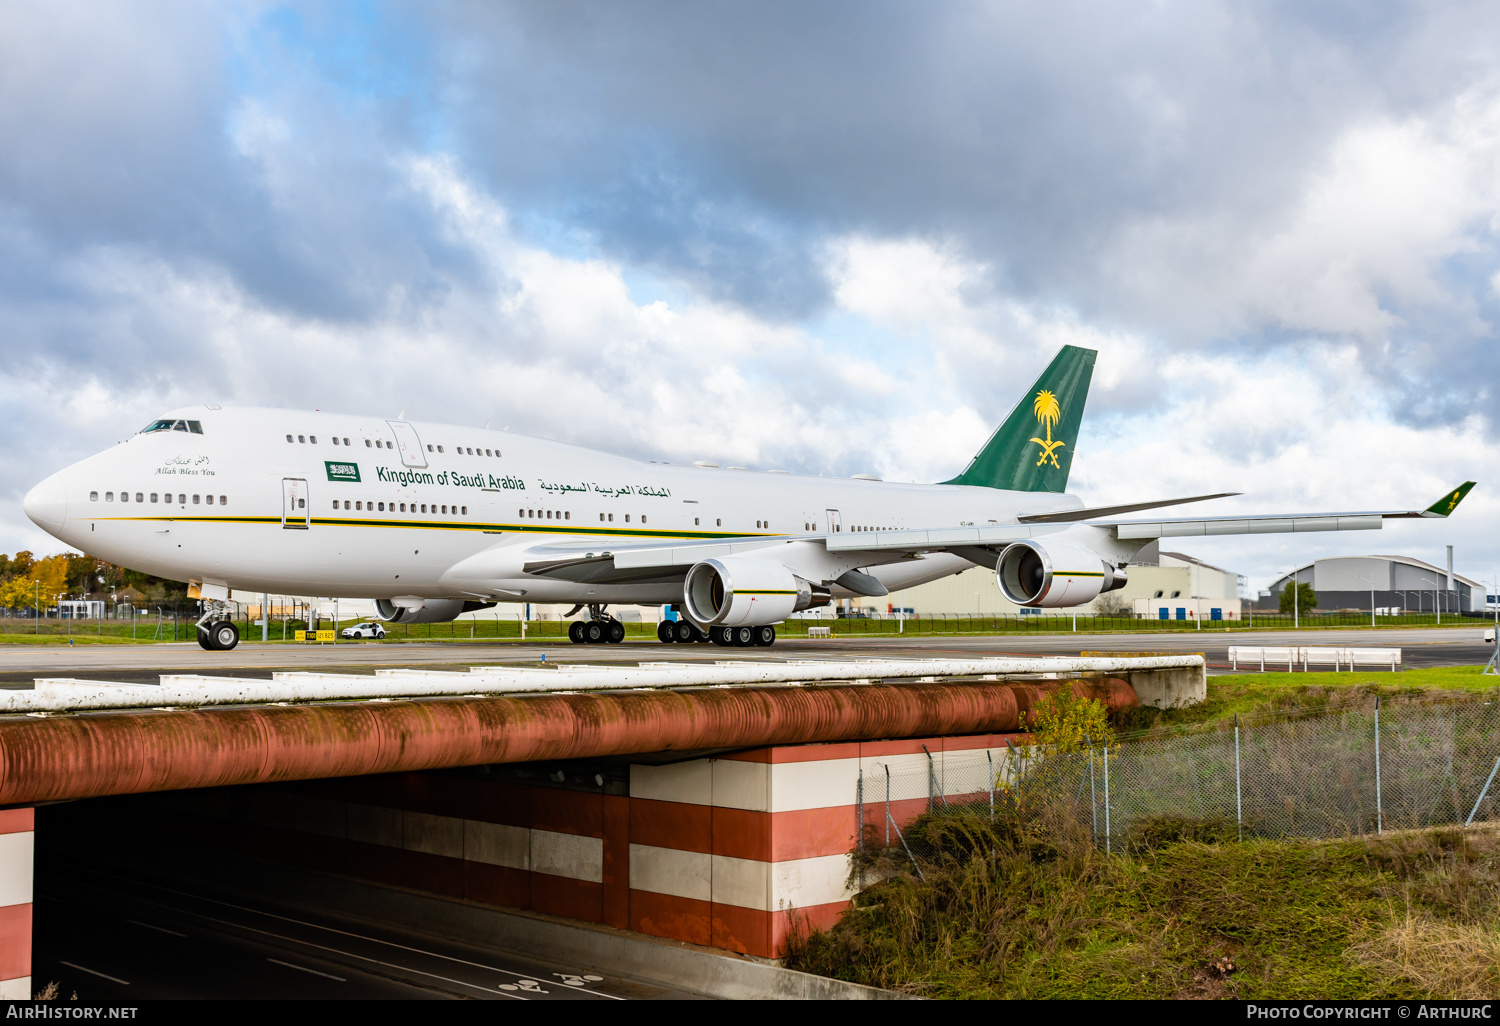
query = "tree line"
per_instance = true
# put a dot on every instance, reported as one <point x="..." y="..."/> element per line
<point x="35" y="583"/>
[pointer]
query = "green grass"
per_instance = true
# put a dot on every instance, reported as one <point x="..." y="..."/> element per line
<point x="1028" y="908"/>
<point x="1261" y="694"/>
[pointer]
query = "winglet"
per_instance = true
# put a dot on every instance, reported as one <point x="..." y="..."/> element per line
<point x="1448" y="503"/>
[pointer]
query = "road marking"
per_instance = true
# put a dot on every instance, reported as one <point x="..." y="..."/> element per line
<point x="305" y="969"/>
<point x="95" y="972"/>
<point x="150" y="926"/>
<point x="360" y="936"/>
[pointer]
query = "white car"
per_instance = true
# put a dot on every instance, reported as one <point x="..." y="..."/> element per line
<point x="364" y="630"/>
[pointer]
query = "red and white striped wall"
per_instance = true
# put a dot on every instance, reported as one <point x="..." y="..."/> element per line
<point x="17" y="828"/>
<point x="735" y="851"/>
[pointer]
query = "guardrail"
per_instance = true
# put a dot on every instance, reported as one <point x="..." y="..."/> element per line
<point x="192" y="690"/>
<point x="1338" y="657"/>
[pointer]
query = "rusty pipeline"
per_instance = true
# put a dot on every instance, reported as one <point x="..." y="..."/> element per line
<point x="56" y="758"/>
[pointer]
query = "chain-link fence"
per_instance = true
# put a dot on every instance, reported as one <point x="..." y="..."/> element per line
<point x="1351" y="772"/>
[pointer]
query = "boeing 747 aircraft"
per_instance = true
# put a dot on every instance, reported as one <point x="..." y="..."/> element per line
<point x="433" y="520"/>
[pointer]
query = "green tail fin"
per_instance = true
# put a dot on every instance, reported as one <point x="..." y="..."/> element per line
<point x="1033" y="450"/>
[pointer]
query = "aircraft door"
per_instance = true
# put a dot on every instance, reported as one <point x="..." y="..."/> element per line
<point x="296" y="515"/>
<point x="834" y="526"/>
<point x="412" y="453"/>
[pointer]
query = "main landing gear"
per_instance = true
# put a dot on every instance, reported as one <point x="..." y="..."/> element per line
<point x="599" y="629"/>
<point x="680" y="632"/>
<point x="743" y="637"/>
<point x="214" y="634"/>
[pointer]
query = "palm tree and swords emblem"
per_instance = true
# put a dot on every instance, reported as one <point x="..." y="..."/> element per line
<point x="1047" y="413"/>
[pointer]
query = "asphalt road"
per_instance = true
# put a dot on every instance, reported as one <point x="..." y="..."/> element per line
<point x="115" y="940"/>
<point x="20" y="664"/>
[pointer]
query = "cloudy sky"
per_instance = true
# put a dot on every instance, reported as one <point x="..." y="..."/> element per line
<point x="820" y="236"/>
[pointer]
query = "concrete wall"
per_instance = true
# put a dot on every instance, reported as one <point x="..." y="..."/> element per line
<point x="732" y="852"/>
<point x="17" y="828"/>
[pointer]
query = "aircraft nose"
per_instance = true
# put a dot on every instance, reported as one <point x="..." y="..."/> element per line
<point x="47" y="504"/>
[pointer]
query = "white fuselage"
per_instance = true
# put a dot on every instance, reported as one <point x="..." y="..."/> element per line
<point x="418" y="510"/>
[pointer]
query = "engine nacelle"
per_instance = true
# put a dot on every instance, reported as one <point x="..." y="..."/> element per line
<point x="425" y="610"/>
<point x="1035" y="573"/>
<point x="746" y="593"/>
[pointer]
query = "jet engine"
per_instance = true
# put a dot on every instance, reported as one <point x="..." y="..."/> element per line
<point x="747" y="593"/>
<point x="1049" y="573"/>
<point x="424" y="610"/>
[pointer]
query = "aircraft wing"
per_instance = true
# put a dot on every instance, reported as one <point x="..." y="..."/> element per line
<point x="828" y="556"/>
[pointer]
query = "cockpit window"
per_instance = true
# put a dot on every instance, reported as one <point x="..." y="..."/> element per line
<point x="194" y="427"/>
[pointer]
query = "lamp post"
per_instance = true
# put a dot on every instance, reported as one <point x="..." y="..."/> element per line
<point x="1435" y="607"/>
<point x="1371" y="579"/>
<point x="36" y="606"/>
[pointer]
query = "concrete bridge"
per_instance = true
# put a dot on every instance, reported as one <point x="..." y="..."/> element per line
<point x="707" y="804"/>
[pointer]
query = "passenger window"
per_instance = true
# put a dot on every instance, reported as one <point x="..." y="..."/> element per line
<point x="522" y="513"/>
<point x="346" y="441"/>
<point x="288" y="438"/>
<point x="313" y="439"/>
<point x="403" y="507"/>
<point x="109" y="496"/>
<point x="335" y="504"/>
<point x="601" y="518"/>
<point x="464" y="511"/>
<point x="181" y="499"/>
<point x="611" y="518"/>
<point x="302" y="439"/>
<point x="380" y="506"/>
<point x="549" y="514"/>
<point x="359" y="505"/>
<point x="440" y="448"/>
<point x="486" y="452"/>
<point x="334" y="439"/>
<point x="568" y="515"/>
<point x="367" y="442"/>
<point x="424" y="507"/>
<point x="196" y="499"/>
<point x="210" y="500"/>
<point x="445" y="510"/>
<point x="643" y="518"/>
<point x="223" y="501"/>
<point x="141" y="498"/>
<point x="195" y="426"/>
<point x="124" y="496"/>
<point x="695" y="521"/>
<point x="627" y="518"/>
<point x="153" y="496"/>
<point x="718" y="523"/>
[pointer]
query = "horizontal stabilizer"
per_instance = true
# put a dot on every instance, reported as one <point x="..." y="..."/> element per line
<point x="1065" y="515"/>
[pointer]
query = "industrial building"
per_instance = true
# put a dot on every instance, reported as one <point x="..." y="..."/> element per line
<point x="1398" y="583"/>
<point x="1157" y="580"/>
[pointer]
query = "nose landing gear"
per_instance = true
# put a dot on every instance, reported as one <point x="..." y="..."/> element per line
<point x="216" y="635"/>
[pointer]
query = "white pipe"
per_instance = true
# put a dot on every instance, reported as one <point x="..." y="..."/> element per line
<point x="188" y="690"/>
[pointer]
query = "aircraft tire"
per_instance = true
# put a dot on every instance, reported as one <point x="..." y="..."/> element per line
<point x="704" y="637"/>
<point x="575" y="632"/>
<point x="722" y="636"/>
<point x="744" y="637"/>
<point x="665" y="632"/>
<point x="206" y="639"/>
<point x="614" y="632"/>
<point x="765" y="636"/>
<point x="685" y="632"/>
<point x="224" y="635"/>
<point x="593" y="632"/>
